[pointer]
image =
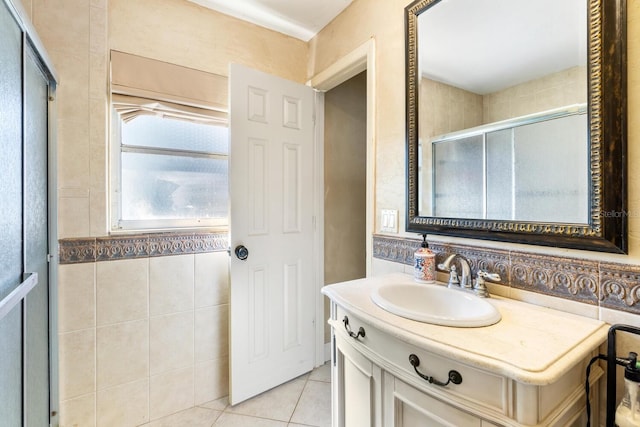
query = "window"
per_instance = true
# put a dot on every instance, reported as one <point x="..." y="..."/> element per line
<point x="169" y="146"/>
<point x="173" y="173"/>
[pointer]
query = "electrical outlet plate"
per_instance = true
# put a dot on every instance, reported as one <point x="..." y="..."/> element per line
<point x="389" y="221"/>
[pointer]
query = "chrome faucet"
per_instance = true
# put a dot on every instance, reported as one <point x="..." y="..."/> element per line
<point x="465" y="280"/>
<point x="462" y="281"/>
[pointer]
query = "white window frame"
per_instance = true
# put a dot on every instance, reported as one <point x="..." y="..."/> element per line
<point x="117" y="224"/>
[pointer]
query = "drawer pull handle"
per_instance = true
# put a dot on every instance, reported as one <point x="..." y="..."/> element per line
<point x="351" y="333"/>
<point x="454" y="376"/>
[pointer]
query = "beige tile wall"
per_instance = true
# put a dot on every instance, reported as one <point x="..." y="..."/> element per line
<point x="557" y="90"/>
<point x="74" y="34"/>
<point x="447" y="109"/>
<point x="125" y="359"/>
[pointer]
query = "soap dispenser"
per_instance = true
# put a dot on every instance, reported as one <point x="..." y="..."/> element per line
<point x="424" y="263"/>
<point x="628" y="411"/>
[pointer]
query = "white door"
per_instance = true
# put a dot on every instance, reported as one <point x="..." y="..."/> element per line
<point x="272" y="334"/>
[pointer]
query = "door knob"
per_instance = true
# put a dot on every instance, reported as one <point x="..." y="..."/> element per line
<point x="242" y="252"/>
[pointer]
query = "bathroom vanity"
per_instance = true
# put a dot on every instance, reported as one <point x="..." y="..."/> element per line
<point x="526" y="370"/>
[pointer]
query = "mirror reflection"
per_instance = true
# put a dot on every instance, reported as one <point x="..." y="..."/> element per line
<point x="503" y="130"/>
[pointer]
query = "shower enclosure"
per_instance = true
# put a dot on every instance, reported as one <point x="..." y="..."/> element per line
<point x="28" y="384"/>
<point x="527" y="168"/>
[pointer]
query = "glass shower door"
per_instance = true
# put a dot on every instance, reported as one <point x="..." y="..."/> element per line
<point x="11" y="254"/>
<point x="24" y="230"/>
<point x="36" y="245"/>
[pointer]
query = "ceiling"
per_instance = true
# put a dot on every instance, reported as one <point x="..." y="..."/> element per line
<point x="301" y="19"/>
<point x="480" y="46"/>
<point x="456" y="36"/>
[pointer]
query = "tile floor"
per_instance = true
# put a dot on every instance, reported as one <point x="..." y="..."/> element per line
<point x="302" y="402"/>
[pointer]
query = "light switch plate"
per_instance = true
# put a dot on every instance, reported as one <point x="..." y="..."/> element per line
<point x="389" y="221"/>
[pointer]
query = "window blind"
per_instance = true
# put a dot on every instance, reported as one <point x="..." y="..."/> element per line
<point x="143" y="86"/>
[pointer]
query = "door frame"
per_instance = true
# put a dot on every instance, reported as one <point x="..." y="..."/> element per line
<point x="360" y="59"/>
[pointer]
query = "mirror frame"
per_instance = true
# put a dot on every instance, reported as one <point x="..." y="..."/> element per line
<point x="607" y="114"/>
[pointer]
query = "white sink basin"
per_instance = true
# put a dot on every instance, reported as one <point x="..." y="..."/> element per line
<point x="436" y="304"/>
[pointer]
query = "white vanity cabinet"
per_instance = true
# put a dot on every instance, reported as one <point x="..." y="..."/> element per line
<point x="355" y="381"/>
<point x="374" y="383"/>
<point x="407" y="406"/>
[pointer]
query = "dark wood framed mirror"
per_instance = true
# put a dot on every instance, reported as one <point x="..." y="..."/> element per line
<point x="517" y="121"/>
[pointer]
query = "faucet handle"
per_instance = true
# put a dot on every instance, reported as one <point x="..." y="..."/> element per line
<point x="454" y="282"/>
<point x="479" y="286"/>
<point x="494" y="277"/>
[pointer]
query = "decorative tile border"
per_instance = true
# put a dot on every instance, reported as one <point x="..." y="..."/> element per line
<point x="401" y="250"/>
<point x="490" y="260"/>
<point x="73" y="251"/>
<point x="620" y="287"/>
<point x="605" y="284"/>
<point x="79" y="250"/>
<point x="110" y="248"/>
<point x="396" y="250"/>
<point x="568" y="278"/>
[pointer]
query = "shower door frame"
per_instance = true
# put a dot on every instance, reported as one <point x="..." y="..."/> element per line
<point x="32" y="45"/>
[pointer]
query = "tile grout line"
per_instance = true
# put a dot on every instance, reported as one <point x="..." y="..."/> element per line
<point x="227" y="406"/>
<point x="300" y="396"/>
<point x="193" y="326"/>
<point x="95" y="343"/>
<point x="148" y="319"/>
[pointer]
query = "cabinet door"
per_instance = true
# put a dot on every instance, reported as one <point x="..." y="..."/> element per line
<point x="405" y="406"/>
<point x="355" y="391"/>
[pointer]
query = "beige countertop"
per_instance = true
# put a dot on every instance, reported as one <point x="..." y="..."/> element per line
<point x="531" y="344"/>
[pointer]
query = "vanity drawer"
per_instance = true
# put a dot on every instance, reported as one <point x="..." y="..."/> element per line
<point x="479" y="389"/>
